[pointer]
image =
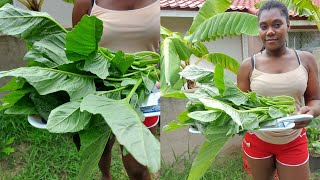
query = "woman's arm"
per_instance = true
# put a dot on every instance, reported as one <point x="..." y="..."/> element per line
<point x="312" y="94"/>
<point x="80" y="8"/>
<point x="243" y="76"/>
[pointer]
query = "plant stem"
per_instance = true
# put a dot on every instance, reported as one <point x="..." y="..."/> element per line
<point x="40" y="4"/>
<point x="145" y="53"/>
<point x="104" y="55"/>
<point x="114" y="79"/>
<point x="255" y="110"/>
<point x="130" y="74"/>
<point x="133" y="90"/>
<point x="113" y="90"/>
<point x="25" y="4"/>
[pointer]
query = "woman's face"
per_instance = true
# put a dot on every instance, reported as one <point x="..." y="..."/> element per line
<point x="273" y="29"/>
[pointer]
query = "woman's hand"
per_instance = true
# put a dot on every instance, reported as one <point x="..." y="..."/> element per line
<point x="304" y="110"/>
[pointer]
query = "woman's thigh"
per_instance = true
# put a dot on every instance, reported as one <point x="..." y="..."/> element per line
<point x="300" y="172"/>
<point x="261" y="169"/>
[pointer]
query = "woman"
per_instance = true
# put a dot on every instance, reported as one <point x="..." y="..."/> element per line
<point x="130" y="26"/>
<point x="278" y="70"/>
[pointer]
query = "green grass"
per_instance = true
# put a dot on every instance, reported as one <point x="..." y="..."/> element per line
<point x="43" y="155"/>
<point x="229" y="167"/>
<point x="224" y="168"/>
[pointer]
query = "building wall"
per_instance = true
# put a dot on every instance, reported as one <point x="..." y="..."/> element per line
<point x="58" y="9"/>
<point x="12" y="51"/>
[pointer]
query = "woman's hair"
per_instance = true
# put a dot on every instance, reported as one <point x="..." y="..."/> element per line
<point x="271" y="5"/>
<point x="275" y="4"/>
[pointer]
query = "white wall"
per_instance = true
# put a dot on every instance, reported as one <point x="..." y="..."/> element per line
<point x="58" y="9"/>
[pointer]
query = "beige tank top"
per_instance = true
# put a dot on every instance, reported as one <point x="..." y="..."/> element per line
<point x="130" y="30"/>
<point x="292" y="83"/>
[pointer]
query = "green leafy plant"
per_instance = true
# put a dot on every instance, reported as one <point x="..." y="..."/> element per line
<point x="219" y="110"/>
<point x="5" y="149"/>
<point x="80" y="87"/>
<point x="313" y="134"/>
<point x="210" y="23"/>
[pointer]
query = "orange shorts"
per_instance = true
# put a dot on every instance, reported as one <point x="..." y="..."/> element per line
<point x="294" y="153"/>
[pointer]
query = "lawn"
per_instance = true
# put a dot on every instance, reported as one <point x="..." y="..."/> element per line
<point x="43" y="155"/>
<point x="225" y="168"/>
<point x="228" y="167"/>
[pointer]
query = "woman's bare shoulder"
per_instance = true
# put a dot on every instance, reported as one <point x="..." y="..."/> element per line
<point x="307" y="58"/>
<point x="246" y="63"/>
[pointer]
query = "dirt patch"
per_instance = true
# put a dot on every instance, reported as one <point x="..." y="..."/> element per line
<point x="14" y="164"/>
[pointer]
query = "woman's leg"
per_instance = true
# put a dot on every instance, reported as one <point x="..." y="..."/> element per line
<point x="261" y="169"/>
<point x="135" y="170"/>
<point x="293" y="159"/>
<point x="301" y="172"/>
<point x="105" y="160"/>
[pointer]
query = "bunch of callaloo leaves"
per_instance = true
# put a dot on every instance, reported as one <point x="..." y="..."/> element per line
<point x="219" y="110"/>
<point x="80" y="87"/>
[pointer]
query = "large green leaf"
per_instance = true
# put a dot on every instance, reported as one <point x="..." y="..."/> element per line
<point x="170" y="63"/>
<point x="13" y="84"/>
<point x="122" y="62"/>
<point x="181" y="48"/>
<point x="49" y="51"/>
<point x="93" y="143"/>
<point x="47" y="81"/>
<point x="224" y="60"/>
<point x="205" y="116"/>
<point x="22" y="106"/>
<point x="28" y="25"/>
<point x="207" y="153"/>
<point x="225" y="24"/>
<point x="197" y="73"/>
<point x="82" y="41"/>
<point x="209" y="8"/>
<point x="216" y="104"/>
<point x="68" y="118"/>
<point x="127" y="127"/>
<point x="99" y="65"/>
<point x="11" y="98"/>
<point x="233" y="93"/>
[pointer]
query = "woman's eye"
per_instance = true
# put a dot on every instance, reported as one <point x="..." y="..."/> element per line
<point x="277" y="25"/>
<point x="263" y="27"/>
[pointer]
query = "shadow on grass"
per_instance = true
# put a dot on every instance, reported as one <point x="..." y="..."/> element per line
<point x="43" y="155"/>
